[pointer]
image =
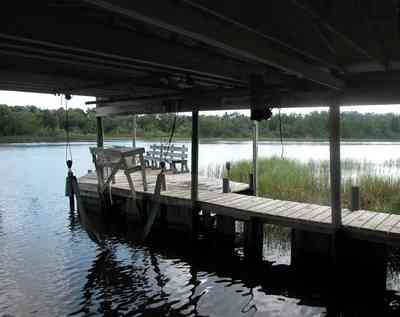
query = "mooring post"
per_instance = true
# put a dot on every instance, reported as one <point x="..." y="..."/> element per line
<point x="251" y="184"/>
<point x="255" y="158"/>
<point x="335" y="171"/>
<point x="195" y="174"/>
<point x="355" y="198"/>
<point x="226" y="187"/>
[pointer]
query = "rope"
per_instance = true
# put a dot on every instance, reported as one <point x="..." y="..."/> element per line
<point x="281" y="135"/>
<point x="171" y="134"/>
<point x="68" y="142"/>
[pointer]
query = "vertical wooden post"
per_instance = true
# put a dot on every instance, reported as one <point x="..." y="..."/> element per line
<point x="355" y="198"/>
<point x="100" y="132"/>
<point x="335" y="170"/>
<point x="254" y="239"/>
<point x="195" y="174"/>
<point x="226" y="224"/>
<point x="225" y="185"/>
<point x="195" y="156"/>
<point x="100" y="172"/>
<point x="251" y="184"/>
<point x="255" y="158"/>
<point x="134" y="131"/>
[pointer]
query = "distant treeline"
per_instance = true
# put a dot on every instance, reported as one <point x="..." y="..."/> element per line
<point x="30" y="121"/>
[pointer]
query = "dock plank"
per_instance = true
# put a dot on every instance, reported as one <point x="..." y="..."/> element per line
<point x="362" y="219"/>
<point x="375" y="221"/>
<point x="388" y="223"/>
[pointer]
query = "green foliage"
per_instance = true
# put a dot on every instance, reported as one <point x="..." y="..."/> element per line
<point x="32" y="121"/>
<point x="309" y="182"/>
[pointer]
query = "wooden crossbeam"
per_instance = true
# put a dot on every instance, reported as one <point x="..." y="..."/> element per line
<point x="31" y="34"/>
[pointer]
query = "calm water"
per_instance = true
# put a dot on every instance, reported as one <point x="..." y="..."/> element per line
<point x="53" y="263"/>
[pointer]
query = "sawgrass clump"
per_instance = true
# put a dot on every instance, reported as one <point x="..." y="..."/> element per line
<point x="295" y="180"/>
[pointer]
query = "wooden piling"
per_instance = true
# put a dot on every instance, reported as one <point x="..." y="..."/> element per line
<point x="355" y="198"/>
<point x="225" y="225"/>
<point x="254" y="239"/>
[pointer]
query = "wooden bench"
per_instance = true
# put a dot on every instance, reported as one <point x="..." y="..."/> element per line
<point x="172" y="155"/>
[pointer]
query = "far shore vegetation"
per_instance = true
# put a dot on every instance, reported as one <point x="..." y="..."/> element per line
<point x="293" y="180"/>
<point x="281" y="179"/>
<point x="32" y="124"/>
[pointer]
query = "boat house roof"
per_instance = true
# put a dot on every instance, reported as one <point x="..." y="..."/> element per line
<point x="147" y="56"/>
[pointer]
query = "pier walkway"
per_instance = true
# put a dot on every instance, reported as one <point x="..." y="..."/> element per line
<point x="362" y="224"/>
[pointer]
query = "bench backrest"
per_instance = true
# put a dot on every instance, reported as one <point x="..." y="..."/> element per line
<point x="163" y="152"/>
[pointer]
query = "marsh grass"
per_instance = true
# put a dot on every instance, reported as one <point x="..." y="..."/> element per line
<point x="295" y="180"/>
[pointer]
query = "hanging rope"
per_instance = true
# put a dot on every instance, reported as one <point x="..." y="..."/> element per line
<point x="171" y="136"/>
<point x="281" y="135"/>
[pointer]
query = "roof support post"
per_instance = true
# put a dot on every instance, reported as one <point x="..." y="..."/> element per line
<point x="335" y="170"/>
<point x="255" y="158"/>
<point x="134" y="131"/>
<point x="195" y="156"/>
<point x="100" y="132"/>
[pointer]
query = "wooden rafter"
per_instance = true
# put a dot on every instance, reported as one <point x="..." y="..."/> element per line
<point x="234" y="40"/>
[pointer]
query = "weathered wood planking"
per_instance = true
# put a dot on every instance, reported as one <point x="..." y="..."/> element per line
<point x="369" y="225"/>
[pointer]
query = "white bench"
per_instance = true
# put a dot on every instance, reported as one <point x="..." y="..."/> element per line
<point x="172" y="155"/>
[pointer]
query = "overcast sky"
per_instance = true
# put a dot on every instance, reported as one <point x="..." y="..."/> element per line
<point x="47" y="101"/>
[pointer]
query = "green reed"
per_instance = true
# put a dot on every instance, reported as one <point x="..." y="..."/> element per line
<point x="294" y="180"/>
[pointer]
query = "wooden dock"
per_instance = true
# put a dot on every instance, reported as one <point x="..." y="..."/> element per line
<point x="362" y="224"/>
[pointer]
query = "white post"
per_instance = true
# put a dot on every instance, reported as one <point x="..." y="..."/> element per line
<point x="255" y="157"/>
<point x="335" y="170"/>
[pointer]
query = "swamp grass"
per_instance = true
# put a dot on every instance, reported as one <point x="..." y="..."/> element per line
<point x="294" y="180"/>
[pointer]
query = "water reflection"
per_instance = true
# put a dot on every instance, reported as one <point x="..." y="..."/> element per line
<point x="169" y="277"/>
<point x="53" y="263"/>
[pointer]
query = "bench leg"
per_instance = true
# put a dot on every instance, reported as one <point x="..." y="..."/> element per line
<point x="173" y="167"/>
<point x="131" y="185"/>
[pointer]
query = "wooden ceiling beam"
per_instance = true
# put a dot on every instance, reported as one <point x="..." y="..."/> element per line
<point x="232" y="39"/>
<point x="368" y="94"/>
<point x="328" y="26"/>
<point x="105" y="44"/>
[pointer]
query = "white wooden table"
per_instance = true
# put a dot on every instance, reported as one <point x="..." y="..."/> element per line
<point x="118" y="158"/>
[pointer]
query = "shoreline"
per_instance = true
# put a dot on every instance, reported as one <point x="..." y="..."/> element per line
<point x="89" y="138"/>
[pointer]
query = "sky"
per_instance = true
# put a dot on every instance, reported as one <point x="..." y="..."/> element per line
<point x="48" y="101"/>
